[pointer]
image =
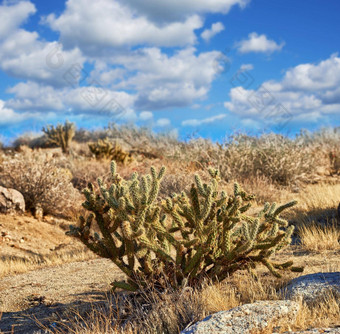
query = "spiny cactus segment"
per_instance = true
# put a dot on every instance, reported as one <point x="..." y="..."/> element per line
<point x="61" y="135"/>
<point x="105" y="149"/>
<point x="204" y="233"/>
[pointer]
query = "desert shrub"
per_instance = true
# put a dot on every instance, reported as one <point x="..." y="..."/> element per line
<point x="143" y="141"/>
<point x="61" y="135"/>
<point x="32" y="140"/>
<point x="105" y="149"/>
<point x="184" y="239"/>
<point x="325" y="143"/>
<point x="277" y="158"/>
<point x="88" y="171"/>
<point x="43" y="184"/>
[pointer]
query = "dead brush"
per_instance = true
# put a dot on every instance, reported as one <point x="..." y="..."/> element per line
<point x="38" y="178"/>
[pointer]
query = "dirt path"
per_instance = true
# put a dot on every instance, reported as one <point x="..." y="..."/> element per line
<point x="47" y="293"/>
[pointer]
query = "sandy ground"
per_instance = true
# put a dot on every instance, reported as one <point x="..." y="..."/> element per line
<point x="48" y="295"/>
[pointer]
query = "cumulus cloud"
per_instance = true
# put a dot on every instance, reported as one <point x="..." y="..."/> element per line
<point x="246" y="67"/>
<point x="198" y="122"/>
<point x="163" y="122"/>
<point x="81" y="100"/>
<point x="11" y="17"/>
<point x="258" y="43"/>
<point x="216" y="28"/>
<point x="110" y="24"/>
<point x="145" y="115"/>
<point x="172" y="10"/>
<point x="306" y="92"/>
<point x="33" y="96"/>
<point x="164" y="81"/>
<point x="9" y="116"/>
<point x="23" y="55"/>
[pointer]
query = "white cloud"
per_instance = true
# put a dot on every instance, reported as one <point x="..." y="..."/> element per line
<point x="11" y="17"/>
<point x="246" y="67"/>
<point x="101" y="101"/>
<point x="258" y="43"/>
<point x="9" y="116"/>
<point x="110" y="24"/>
<point x="163" y="122"/>
<point x="216" y="28"/>
<point x="309" y="77"/>
<point x="170" y="10"/>
<point x="198" y="122"/>
<point x="307" y="92"/>
<point x="145" y="115"/>
<point x="23" y="55"/>
<point x="31" y="96"/>
<point x="164" y="81"/>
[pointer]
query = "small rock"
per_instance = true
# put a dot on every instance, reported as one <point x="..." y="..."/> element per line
<point x="11" y="201"/>
<point x="247" y="319"/>
<point x="313" y="286"/>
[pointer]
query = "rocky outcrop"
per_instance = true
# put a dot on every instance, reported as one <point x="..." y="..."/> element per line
<point x="11" y="201"/>
<point x="312" y="287"/>
<point x="247" y="319"/>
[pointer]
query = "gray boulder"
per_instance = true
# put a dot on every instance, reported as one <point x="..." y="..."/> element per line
<point x="11" y="201"/>
<point x="247" y="319"/>
<point x="311" y="287"/>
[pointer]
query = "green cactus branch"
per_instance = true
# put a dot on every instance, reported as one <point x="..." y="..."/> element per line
<point x="61" y="135"/>
<point x="182" y="239"/>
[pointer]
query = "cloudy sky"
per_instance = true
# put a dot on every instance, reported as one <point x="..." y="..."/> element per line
<point x="193" y="67"/>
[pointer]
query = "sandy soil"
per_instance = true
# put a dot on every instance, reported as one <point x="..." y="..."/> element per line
<point x="48" y="295"/>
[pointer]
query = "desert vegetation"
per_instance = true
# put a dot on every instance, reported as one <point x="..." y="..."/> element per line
<point x="194" y="226"/>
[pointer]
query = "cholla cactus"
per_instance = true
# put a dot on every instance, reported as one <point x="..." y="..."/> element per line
<point x="104" y="149"/>
<point x="205" y="233"/>
<point x="61" y="135"/>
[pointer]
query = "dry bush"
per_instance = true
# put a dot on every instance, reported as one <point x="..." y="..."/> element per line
<point x="32" y="140"/>
<point x="85" y="171"/>
<point x="319" y="238"/>
<point x="143" y="140"/>
<point x="278" y="158"/>
<point x="265" y="190"/>
<point x="36" y="176"/>
<point x="326" y="145"/>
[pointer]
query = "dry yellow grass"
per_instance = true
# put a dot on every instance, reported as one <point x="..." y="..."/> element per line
<point x="317" y="202"/>
<point x="14" y="265"/>
<point x="172" y="312"/>
<point x="319" y="238"/>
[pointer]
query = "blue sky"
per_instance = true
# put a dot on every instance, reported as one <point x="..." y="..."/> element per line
<point x="191" y="67"/>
